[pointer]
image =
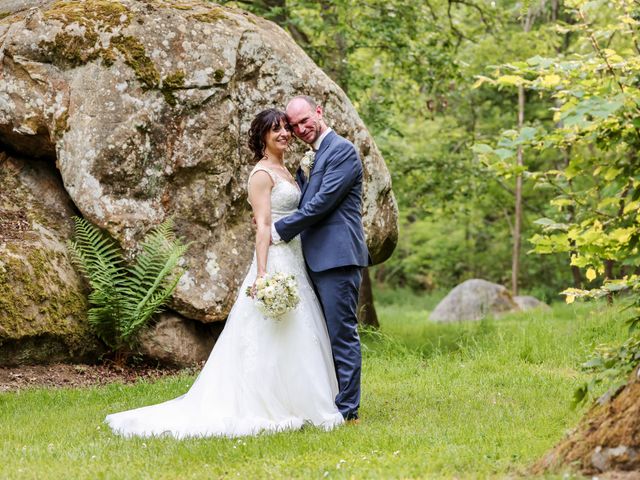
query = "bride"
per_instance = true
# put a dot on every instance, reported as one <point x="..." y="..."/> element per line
<point x="262" y="375"/>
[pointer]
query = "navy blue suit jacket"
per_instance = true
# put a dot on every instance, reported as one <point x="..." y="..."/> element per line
<point x="329" y="217"/>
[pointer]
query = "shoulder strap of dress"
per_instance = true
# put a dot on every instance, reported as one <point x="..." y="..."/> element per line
<point x="259" y="168"/>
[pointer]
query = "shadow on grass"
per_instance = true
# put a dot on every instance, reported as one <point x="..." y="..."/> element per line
<point x="428" y="339"/>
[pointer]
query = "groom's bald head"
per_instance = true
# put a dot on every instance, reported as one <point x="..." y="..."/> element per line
<point x="305" y="117"/>
<point x="298" y="99"/>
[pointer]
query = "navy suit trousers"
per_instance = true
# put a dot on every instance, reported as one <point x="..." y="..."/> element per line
<point x="337" y="290"/>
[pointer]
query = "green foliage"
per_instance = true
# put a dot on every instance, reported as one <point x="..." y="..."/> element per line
<point x="409" y="68"/>
<point x="595" y="135"/>
<point x="124" y="298"/>
<point x="450" y="247"/>
<point x="612" y="364"/>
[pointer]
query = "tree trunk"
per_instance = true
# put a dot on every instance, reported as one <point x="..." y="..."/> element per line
<point x="561" y="49"/>
<point x="281" y="7"/>
<point x="577" y="276"/>
<point x="366" y="309"/>
<point x="517" y="224"/>
<point x="575" y="271"/>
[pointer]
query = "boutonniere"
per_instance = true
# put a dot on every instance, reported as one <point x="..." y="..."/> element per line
<point x="306" y="164"/>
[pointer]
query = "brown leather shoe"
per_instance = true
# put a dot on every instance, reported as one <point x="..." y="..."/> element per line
<point x="352" y="422"/>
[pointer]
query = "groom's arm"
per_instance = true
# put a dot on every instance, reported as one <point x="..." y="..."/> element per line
<point x="342" y="171"/>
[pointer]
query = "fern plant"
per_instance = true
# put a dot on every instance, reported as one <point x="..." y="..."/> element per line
<point x="124" y="297"/>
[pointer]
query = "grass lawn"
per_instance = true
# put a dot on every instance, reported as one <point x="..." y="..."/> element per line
<point x="471" y="400"/>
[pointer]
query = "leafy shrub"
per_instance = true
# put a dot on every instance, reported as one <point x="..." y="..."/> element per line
<point x="124" y="297"/>
<point x="593" y="94"/>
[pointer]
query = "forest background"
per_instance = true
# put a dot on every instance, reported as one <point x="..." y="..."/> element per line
<point x="511" y="131"/>
<point x="464" y="98"/>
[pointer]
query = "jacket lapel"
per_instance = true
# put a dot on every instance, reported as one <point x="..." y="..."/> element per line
<point x="300" y="179"/>
<point x="319" y="159"/>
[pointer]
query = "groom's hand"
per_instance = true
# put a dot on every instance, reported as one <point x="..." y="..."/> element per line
<point x="254" y="225"/>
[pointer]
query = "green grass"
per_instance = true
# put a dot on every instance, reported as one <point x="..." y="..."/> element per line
<point x="470" y="400"/>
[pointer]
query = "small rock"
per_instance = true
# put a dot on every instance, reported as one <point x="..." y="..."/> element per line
<point x="527" y="302"/>
<point x="473" y="300"/>
<point x="177" y="341"/>
<point x="618" y="458"/>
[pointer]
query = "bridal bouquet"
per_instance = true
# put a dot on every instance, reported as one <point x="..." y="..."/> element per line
<point x="275" y="294"/>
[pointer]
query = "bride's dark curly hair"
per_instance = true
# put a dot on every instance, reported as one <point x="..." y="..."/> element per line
<point x="264" y="121"/>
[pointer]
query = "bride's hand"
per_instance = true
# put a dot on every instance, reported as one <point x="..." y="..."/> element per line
<point x="254" y="287"/>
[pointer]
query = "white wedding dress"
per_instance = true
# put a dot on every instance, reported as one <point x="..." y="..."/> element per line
<point x="262" y="375"/>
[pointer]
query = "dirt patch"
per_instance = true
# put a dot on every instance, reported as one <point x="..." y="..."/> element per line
<point x="606" y="440"/>
<point x="619" y="476"/>
<point x="80" y="375"/>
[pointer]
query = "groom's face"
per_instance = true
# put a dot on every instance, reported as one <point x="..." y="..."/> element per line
<point x="304" y="120"/>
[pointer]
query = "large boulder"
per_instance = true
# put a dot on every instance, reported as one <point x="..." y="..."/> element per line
<point x="146" y="105"/>
<point x="42" y="299"/>
<point x="474" y="299"/>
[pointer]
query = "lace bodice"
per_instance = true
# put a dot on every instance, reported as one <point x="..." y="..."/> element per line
<point x="285" y="195"/>
<point x="283" y="256"/>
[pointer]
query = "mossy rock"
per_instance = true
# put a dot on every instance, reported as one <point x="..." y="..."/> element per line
<point x="92" y="14"/>
<point x="136" y="57"/>
<point x="74" y="47"/>
<point x="43" y="301"/>
<point x="216" y="14"/>
<point x="70" y="49"/>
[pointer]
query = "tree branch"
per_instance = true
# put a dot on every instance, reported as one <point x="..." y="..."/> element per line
<point x="487" y="24"/>
<point x="431" y="11"/>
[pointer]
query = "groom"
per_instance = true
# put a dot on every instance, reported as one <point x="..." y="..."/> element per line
<point x="329" y="220"/>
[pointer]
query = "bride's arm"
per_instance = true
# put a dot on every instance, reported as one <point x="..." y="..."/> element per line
<point x="260" y="187"/>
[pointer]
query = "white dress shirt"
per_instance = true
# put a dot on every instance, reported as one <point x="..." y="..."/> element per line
<point x="318" y="142"/>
